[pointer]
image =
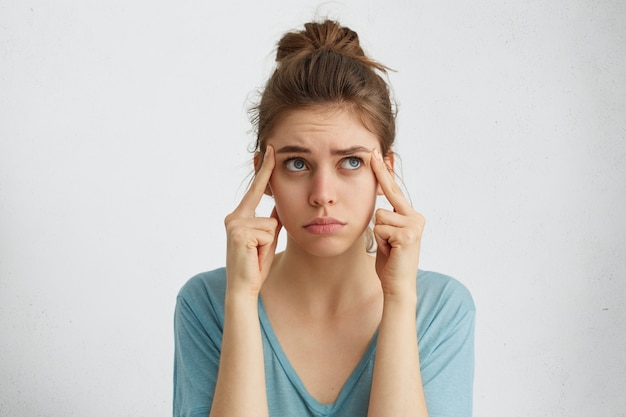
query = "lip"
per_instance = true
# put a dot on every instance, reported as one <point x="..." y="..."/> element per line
<point x="324" y="225"/>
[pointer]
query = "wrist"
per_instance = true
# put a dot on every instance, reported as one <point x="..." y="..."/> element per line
<point x="400" y="289"/>
<point x="241" y="286"/>
<point x="241" y="298"/>
<point x="400" y="301"/>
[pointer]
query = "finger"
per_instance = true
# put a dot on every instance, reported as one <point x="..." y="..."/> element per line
<point x="279" y="226"/>
<point x="382" y="242"/>
<point x="244" y="232"/>
<point x="389" y="186"/>
<point x="274" y="215"/>
<point x="269" y="250"/>
<point x="251" y="199"/>
<point x="383" y="216"/>
<point x="400" y="236"/>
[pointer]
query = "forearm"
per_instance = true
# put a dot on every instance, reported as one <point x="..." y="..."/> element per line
<point x="397" y="384"/>
<point x="240" y="389"/>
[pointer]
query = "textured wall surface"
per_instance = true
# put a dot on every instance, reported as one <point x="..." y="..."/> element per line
<point x="124" y="143"/>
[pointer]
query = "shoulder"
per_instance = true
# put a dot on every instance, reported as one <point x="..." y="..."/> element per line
<point x="441" y="296"/>
<point x="210" y="281"/>
<point x="434" y="286"/>
<point x="204" y="290"/>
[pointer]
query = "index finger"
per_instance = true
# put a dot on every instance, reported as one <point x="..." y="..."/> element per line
<point x="389" y="186"/>
<point x="253" y="196"/>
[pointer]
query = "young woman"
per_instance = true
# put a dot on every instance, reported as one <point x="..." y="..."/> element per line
<point x="327" y="327"/>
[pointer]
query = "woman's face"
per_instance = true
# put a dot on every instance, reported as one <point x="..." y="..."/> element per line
<point x="323" y="185"/>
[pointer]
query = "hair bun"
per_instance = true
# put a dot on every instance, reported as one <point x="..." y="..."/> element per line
<point x="324" y="65"/>
<point x="327" y="35"/>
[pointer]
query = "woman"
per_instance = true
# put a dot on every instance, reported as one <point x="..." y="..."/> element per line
<point x="324" y="328"/>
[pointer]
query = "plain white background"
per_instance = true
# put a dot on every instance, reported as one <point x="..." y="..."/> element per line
<point x="124" y="142"/>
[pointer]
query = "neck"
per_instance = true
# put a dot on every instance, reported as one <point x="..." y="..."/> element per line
<point x="323" y="285"/>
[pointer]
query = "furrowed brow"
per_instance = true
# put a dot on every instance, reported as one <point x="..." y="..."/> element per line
<point x="293" y="149"/>
<point x="341" y="152"/>
<point x="352" y="150"/>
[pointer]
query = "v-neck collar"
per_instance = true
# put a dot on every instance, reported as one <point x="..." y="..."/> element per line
<point x="313" y="404"/>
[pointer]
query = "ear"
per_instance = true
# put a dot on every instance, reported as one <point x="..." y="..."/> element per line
<point x="258" y="159"/>
<point x="389" y="161"/>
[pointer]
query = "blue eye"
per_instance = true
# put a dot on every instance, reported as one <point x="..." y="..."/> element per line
<point x="351" y="162"/>
<point x="295" y="164"/>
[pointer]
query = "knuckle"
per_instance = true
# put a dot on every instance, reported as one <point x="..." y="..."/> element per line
<point x="382" y="214"/>
<point x="420" y="221"/>
<point x="232" y="220"/>
<point x="406" y="236"/>
<point x="238" y="234"/>
<point x="228" y="219"/>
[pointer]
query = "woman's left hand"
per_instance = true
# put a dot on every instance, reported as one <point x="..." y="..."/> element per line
<point x="398" y="234"/>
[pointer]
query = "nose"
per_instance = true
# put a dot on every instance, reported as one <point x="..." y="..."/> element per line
<point x="322" y="191"/>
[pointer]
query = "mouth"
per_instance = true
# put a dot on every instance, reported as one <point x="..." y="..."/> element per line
<point x="324" y="225"/>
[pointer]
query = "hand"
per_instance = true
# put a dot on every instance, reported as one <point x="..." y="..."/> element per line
<point x="251" y="240"/>
<point x="398" y="234"/>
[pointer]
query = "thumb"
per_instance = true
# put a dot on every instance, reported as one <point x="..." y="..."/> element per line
<point x="383" y="246"/>
<point x="279" y="226"/>
<point x="266" y="253"/>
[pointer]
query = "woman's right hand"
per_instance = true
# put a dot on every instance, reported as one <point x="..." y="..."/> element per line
<point x="251" y="240"/>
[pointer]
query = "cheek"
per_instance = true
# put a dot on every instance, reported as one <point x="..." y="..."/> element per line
<point x="278" y="188"/>
<point x="372" y="194"/>
<point x="362" y="194"/>
<point x="366" y="187"/>
<point x="286" y="196"/>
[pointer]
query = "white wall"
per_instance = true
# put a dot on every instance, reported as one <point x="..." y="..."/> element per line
<point x="123" y="144"/>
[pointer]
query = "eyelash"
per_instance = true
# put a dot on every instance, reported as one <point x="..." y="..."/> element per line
<point x="352" y="158"/>
<point x="291" y="161"/>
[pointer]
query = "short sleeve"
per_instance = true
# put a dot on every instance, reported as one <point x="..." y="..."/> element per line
<point x="197" y="345"/>
<point x="446" y="338"/>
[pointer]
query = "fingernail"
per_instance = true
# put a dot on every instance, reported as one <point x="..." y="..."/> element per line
<point x="377" y="154"/>
<point x="267" y="150"/>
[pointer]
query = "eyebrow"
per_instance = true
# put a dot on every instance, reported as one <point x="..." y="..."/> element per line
<point x="301" y="149"/>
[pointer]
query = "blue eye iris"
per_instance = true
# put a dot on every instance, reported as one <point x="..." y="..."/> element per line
<point x="351" y="163"/>
<point x="295" y="164"/>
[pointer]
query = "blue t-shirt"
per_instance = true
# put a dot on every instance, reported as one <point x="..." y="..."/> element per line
<point x="445" y="331"/>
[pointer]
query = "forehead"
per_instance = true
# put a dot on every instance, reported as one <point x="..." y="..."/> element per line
<point x="332" y="127"/>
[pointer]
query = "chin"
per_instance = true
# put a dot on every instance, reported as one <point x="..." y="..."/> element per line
<point x="329" y="247"/>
